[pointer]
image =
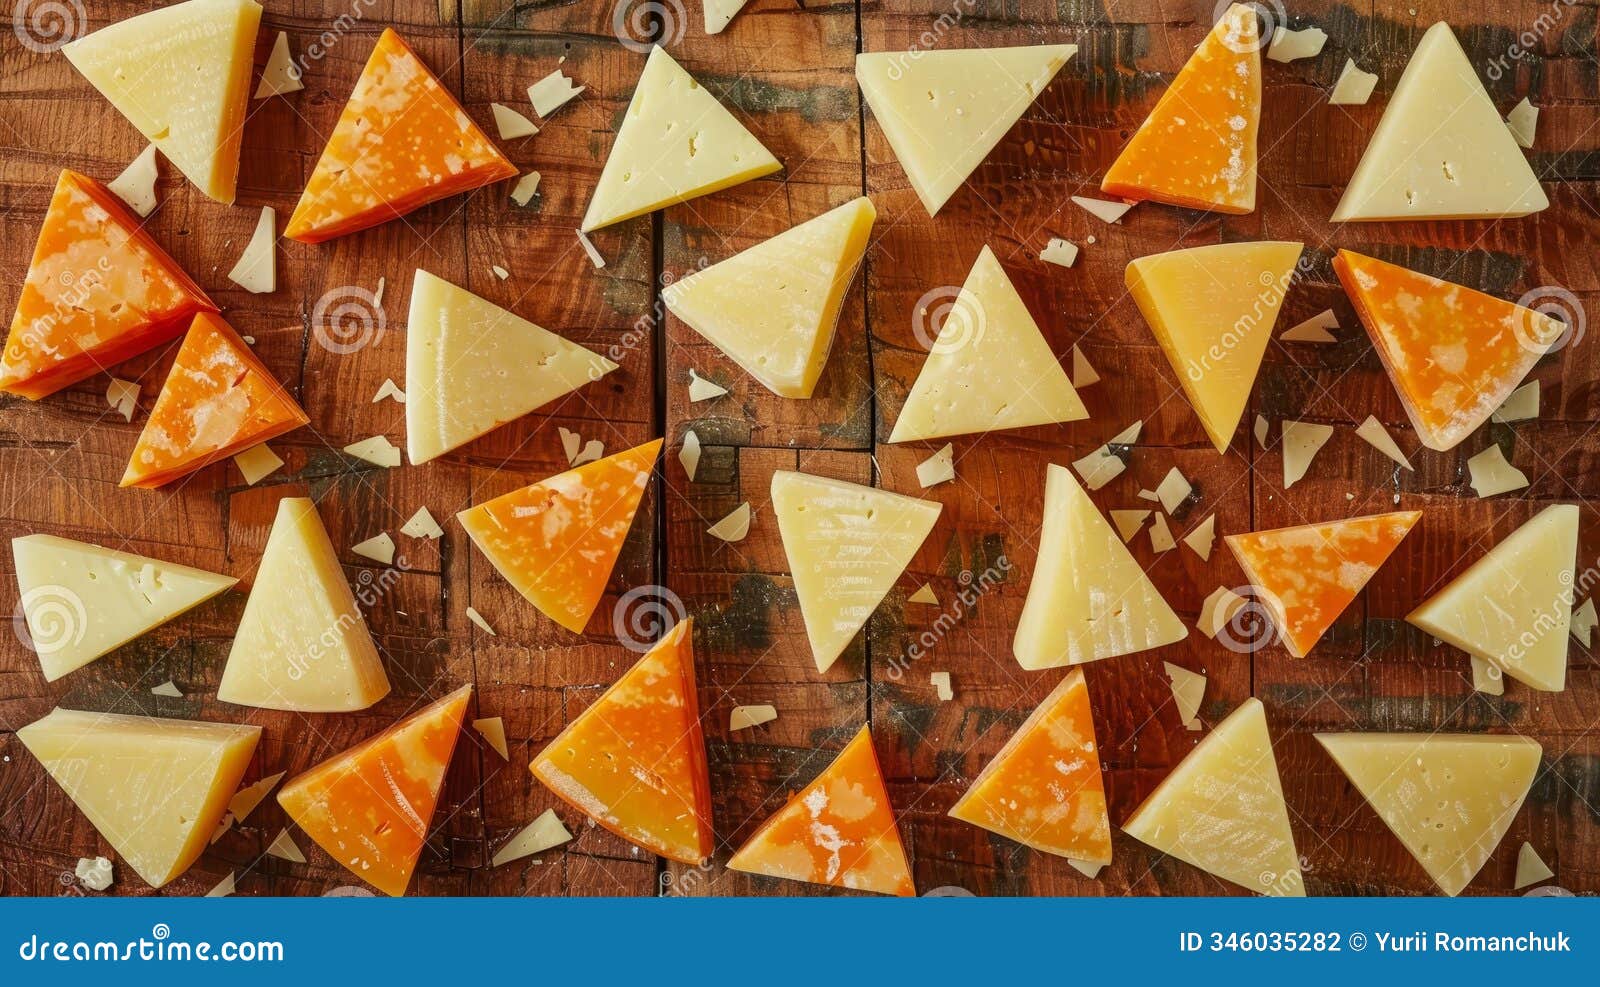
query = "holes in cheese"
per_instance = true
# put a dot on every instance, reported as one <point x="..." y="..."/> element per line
<point x="1449" y="797"/>
<point x="635" y="761"/>
<point x="839" y="830"/>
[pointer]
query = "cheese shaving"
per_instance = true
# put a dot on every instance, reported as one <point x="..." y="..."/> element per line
<point x="1583" y="623"/>
<point x="1486" y="677"/>
<point x="1531" y="869"/>
<point x="701" y="389"/>
<point x="167" y="688"/>
<point x="95" y="873"/>
<point x="1099" y="468"/>
<point x="499" y="271"/>
<point x="734" y="527"/>
<point x="1173" y="490"/>
<point x="282" y="75"/>
<point x="1188" y="690"/>
<point x="745" y="717"/>
<point x="1522" y="405"/>
<point x="1062" y="253"/>
<point x="1301" y="443"/>
<point x="1161" y="535"/>
<point x="552" y="93"/>
<point x="1354" y="87"/>
<point x="257" y="463"/>
<point x="1110" y="212"/>
<point x="224" y="888"/>
<point x="1314" y="329"/>
<point x="257" y="269"/>
<point x="1491" y="474"/>
<point x="1087" y="869"/>
<point x="1287" y="45"/>
<point x="493" y="730"/>
<point x="1128" y="523"/>
<point x="924" y="595"/>
<point x="941" y="685"/>
<point x="589" y="248"/>
<point x="1378" y="437"/>
<point x="522" y="193"/>
<point x="479" y="621"/>
<point x="592" y="450"/>
<point x="422" y="525"/>
<point x="378" y="451"/>
<point x="1261" y="431"/>
<point x="510" y="123"/>
<point x="937" y="468"/>
<point x="246" y="799"/>
<point x="538" y="836"/>
<point x="123" y="396"/>
<point x="1082" y="373"/>
<point x="1203" y="537"/>
<point x="1523" y="121"/>
<point x="389" y="389"/>
<point x="1218" y="609"/>
<point x="689" y="454"/>
<point x="136" y="186"/>
<point x="378" y="548"/>
<point x="284" y="847"/>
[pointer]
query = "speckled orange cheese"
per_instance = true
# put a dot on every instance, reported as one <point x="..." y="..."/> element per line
<point x="401" y="143"/>
<point x="1454" y="354"/>
<point x="635" y="760"/>
<point x="1197" y="148"/>
<point x="370" y="806"/>
<point x="218" y="400"/>
<point x="839" y="830"/>
<point x="1306" y="575"/>
<point x="1044" y="788"/>
<point x="98" y="291"/>
<point x="557" y="541"/>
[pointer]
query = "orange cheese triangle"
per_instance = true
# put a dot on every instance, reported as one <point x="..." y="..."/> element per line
<point x="635" y="760"/>
<point x="1197" y="148"/>
<point x="1454" y="354"/>
<point x="557" y="541"/>
<point x="218" y="400"/>
<point x="402" y="142"/>
<point x="1308" y="574"/>
<point x="1044" y="788"/>
<point x="98" y="291"/>
<point x="370" y="806"/>
<point x="839" y="830"/>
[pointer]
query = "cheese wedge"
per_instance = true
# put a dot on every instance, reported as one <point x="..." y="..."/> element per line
<point x="990" y="367"/>
<point x="1454" y="354"/>
<point x="369" y="807"/>
<point x="302" y="642"/>
<point x="1308" y="574"/>
<point x="839" y="830"/>
<point x="635" y="760"/>
<point x="1212" y="310"/>
<point x="1222" y="810"/>
<point x="676" y="143"/>
<point x="81" y="601"/>
<point x="557" y="541"/>
<point x="846" y="545"/>
<point x="1531" y="868"/>
<point x="154" y="789"/>
<point x="944" y="110"/>
<point x="219" y="399"/>
<point x="1088" y="599"/>
<point x="98" y="291"/>
<point x="181" y="75"/>
<point x="1441" y="150"/>
<point x="1513" y="607"/>
<point x="402" y="142"/>
<point x="773" y="308"/>
<point x="472" y="366"/>
<point x="1197" y="148"/>
<point x="1044" y="788"/>
<point x="1449" y="797"/>
<point x="719" y="12"/>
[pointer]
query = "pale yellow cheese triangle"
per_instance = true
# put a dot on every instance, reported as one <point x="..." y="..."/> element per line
<point x="773" y="308"/>
<point x="1441" y="150"/>
<point x="846" y="545"/>
<point x="719" y="12"/>
<point x="676" y="142"/>
<point x="1222" y="809"/>
<point x="1088" y="598"/>
<point x="1513" y="607"/>
<point x="155" y="789"/>
<point x="181" y="75"/>
<point x="989" y="368"/>
<point x="1212" y="310"/>
<point x="472" y="366"/>
<point x="1449" y="797"/>
<point x="81" y="601"/>
<point x="302" y="643"/>
<point x="943" y="110"/>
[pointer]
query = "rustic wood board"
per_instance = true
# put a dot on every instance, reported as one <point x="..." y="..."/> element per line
<point x="786" y="71"/>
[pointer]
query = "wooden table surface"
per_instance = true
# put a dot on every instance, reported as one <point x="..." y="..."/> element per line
<point x="786" y="70"/>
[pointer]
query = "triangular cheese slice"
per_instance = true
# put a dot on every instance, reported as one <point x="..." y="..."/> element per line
<point x="155" y="789"/>
<point x="846" y="545"/>
<point x="181" y="75"/>
<point x="1441" y="150"/>
<point x="839" y="830"/>
<point x="402" y="142"/>
<point x="219" y="399"/>
<point x="1449" y="797"/>
<point x="773" y="308"/>
<point x="1222" y="810"/>
<point x="370" y="806"/>
<point x="1044" y="788"/>
<point x="1513" y="607"/>
<point x="719" y="12"/>
<point x="82" y="601"/>
<point x="1088" y="599"/>
<point x="1454" y="354"/>
<point x="944" y="110"/>
<point x="557" y="541"/>
<point x="1197" y="148"/>
<point x="676" y="143"/>
<point x="1308" y="574"/>
<point x="990" y="367"/>
<point x="472" y="366"/>
<point x="634" y="761"/>
<point x="1212" y="310"/>
<point x="302" y="643"/>
<point x="98" y="291"/>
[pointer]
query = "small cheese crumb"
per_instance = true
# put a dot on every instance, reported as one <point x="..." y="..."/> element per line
<point x="1379" y="438"/>
<point x="493" y="730"/>
<point x="1127" y="436"/>
<point x="1218" y="609"/>
<point x="224" y="888"/>
<point x="1583" y="623"/>
<point x="378" y="548"/>
<point x="689" y="454"/>
<point x="552" y="93"/>
<point x="123" y="396"/>
<point x="571" y="443"/>
<point x="1099" y="468"/>
<point x="1354" y="87"/>
<point x="1261" y="430"/>
<point x="1161" y="535"/>
<point x="522" y="193"/>
<point x="482" y="624"/>
<point x="1173" y="490"/>
<point x="1110" y="212"/>
<point x="1188" y="690"/>
<point x="1531" y="869"/>
<point x="1149" y="495"/>
<point x="95" y="872"/>
<point x="1087" y="869"/>
<point x="499" y="271"/>
<point x="389" y="389"/>
<point x="257" y="463"/>
<point x="924" y="595"/>
<point x="284" y="847"/>
<point x="1062" y="253"/>
<point x="538" y="836"/>
<point x="701" y="389"/>
<point x="941" y="684"/>
<point x="1314" y="329"/>
<point x="937" y="468"/>
<point x="1522" y="405"/>
<point x="734" y="527"/>
<point x="377" y="293"/>
<point x="422" y="525"/>
<point x="282" y="75"/>
<point x="1128" y="523"/>
<point x="745" y="717"/>
<point x="1301" y="443"/>
<point x="1491" y="474"/>
<point x="1288" y="45"/>
<point x="510" y="123"/>
<point x="592" y="450"/>
<point x="246" y="799"/>
<point x="1523" y="121"/>
<point x="257" y="269"/>
<point x="1082" y="373"/>
<point x="1486" y="677"/>
<point x="223" y="825"/>
<point x="378" y="451"/>
<point x="169" y="689"/>
<point x="589" y="248"/>
<point x="1203" y="537"/>
<point x="136" y="186"/>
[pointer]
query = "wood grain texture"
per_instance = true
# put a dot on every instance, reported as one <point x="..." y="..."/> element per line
<point x="786" y="70"/>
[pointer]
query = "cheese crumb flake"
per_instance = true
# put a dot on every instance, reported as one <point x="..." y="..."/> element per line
<point x="1203" y="537"/>
<point x="1218" y="609"/>
<point x="1062" y="253"/>
<point x="1261" y="431"/>
<point x="95" y="873"/>
<point x="552" y="93"/>
<point x="1188" y="691"/>
<point x="1522" y="405"/>
<point x="510" y="123"/>
<point x="422" y="525"/>
<point x="378" y="451"/>
<point x="224" y="888"/>
<point x="257" y="463"/>
<point x="136" y="186"/>
<point x="479" y="621"/>
<point x="499" y="271"/>
<point x="1583" y="623"/>
<point x="493" y="731"/>
<point x="1486" y="677"/>
<point x="1128" y="523"/>
<point x="592" y="450"/>
<point x="1301" y="443"/>
<point x="1523" y="121"/>
<point x="389" y="389"/>
<point x="282" y="75"/>
<point x="522" y="193"/>
<point x="701" y="389"/>
<point x="1087" y="869"/>
<point x="538" y="836"/>
<point x="1531" y="868"/>
<point x="1491" y="474"/>
<point x="284" y="847"/>
<point x="589" y="248"/>
<point x="1109" y="212"/>
<point x="734" y="527"/>
<point x="1161" y="535"/>
<point x="379" y="548"/>
<point x="257" y="269"/>
<point x="571" y="443"/>
<point x="1379" y="438"/>
<point x="1082" y="373"/>
<point x="1099" y="468"/>
<point x="169" y="689"/>
<point x="941" y="685"/>
<point x="1354" y="87"/>
<point x="1149" y="495"/>
<point x="937" y="468"/>
<point x="246" y="799"/>
<point x="745" y="717"/>
<point x="924" y="595"/>
<point x="123" y="397"/>
<point x="1314" y="329"/>
<point x="689" y="454"/>
<point x="1287" y="45"/>
<point x="1127" y="436"/>
<point x="1173" y="491"/>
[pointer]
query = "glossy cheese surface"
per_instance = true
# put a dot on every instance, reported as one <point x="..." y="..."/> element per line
<point x="635" y="760"/>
